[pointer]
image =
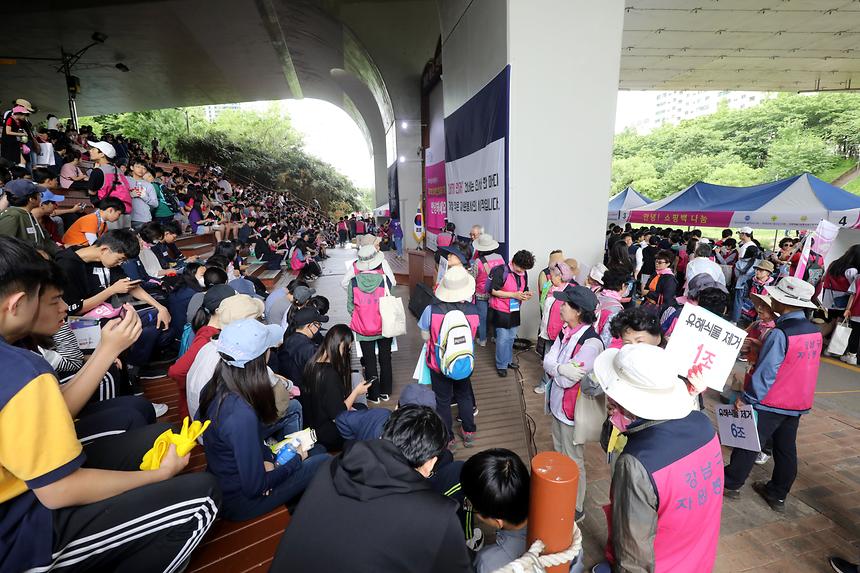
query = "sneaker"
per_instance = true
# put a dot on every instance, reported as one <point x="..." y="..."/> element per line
<point x="778" y="505"/>
<point x="731" y="493"/>
<point x="501" y="372"/>
<point x="468" y="439"/>
<point x="580" y="515"/>
<point x="477" y="541"/>
<point x="482" y="343"/>
<point x="384" y="397"/>
<point x="514" y="366"/>
<point x="160" y="409"/>
<point x="849" y="358"/>
<point x="762" y="458"/>
<point x="540" y="389"/>
<point x="841" y="566"/>
<point x="374" y="400"/>
<point x="474" y="413"/>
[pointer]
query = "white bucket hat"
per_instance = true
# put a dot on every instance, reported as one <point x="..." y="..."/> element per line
<point x="457" y="285"/>
<point x="368" y="258"/>
<point x="485" y="243"/>
<point x="642" y="379"/>
<point x="793" y="292"/>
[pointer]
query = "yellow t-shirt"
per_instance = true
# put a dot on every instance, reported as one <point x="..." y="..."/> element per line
<point x="38" y="446"/>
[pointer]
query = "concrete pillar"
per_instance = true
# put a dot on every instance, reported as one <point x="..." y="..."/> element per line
<point x="564" y="59"/>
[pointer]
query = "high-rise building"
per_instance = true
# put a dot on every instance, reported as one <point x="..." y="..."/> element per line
<point x="676" y="106"/>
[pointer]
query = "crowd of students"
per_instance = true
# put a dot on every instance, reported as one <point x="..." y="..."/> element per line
<point x="93" y="305"/>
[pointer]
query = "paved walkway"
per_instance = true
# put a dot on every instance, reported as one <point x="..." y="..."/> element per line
<point x="823" y="515"/>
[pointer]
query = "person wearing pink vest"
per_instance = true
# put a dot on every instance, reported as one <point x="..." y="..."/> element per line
<point x="447" y="237"/>
<point x="666" y="494"/>
<point x="568" y="361"/>
<point x="509" y="288"/>
<point x="454" y="292"/>
<point x="781" y="390"/>
<point x="363" y="294"/>
<point x="485" y="260"/>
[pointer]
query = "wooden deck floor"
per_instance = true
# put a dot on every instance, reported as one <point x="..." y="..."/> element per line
<point x="502" y="422"/>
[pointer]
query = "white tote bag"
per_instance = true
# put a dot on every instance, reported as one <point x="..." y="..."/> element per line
<point x="588" y="417"/>
<point x="393" y="314"/>
<point x="839" y="340"/>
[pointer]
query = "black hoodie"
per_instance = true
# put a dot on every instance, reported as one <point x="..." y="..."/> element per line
<point x="368" y="511"/>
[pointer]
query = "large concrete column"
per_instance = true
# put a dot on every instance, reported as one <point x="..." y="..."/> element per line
<point x="564" y="59"/>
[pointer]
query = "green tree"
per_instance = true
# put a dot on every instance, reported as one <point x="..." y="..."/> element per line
<point x="627" y="170"/>
<point x="735" y="174"/>
<point x="166" y="125"/>
<point x="685" y="172"/>
<point x="795" y="151"/>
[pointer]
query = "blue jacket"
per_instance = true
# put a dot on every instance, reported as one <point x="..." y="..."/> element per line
<point x="235" y="453"/>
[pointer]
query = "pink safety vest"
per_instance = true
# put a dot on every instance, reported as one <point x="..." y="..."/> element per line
<point x="437" y="315"/>
<point x="366" y="319"/>
<point x="794" y="387"/>
<point x="689" y="492"/>
<point x="568" y="400"/>
<point x="359" y="227"/>
<point x="483" y="274"/>
<point x="511" y="285"/>
<point x="608" y="307"/>
<point x="296" y="264"/>
<point x="444" y="239"/>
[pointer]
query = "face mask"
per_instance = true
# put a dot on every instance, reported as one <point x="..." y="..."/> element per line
<point x="620" y="421"/>
<point x="200" y="282"/>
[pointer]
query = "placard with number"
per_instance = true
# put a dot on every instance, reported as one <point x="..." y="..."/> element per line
<point x="702" y="337"/>
<point x="738" y="428"/>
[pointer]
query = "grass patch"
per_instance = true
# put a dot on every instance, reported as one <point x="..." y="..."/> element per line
<point x="853" y="186"/>
<point x="842" y="165"/>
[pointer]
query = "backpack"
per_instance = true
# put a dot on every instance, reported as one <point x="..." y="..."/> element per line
<point x="455" y="348"/>
<point x="814" y="271"/>
<point x="488" y="288"/>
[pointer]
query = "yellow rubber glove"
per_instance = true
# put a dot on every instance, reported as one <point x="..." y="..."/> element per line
<point x="184" y="441"/>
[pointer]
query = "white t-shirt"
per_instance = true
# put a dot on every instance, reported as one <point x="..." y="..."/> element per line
<point x="46" y="153"/>
<point x="701" y="265"/>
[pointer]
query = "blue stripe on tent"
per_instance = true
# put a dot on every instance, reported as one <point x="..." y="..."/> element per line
<point x="480" y="121"/>
<point x="702" y="196"/>
<point x="833" y="197"/>
<point x="617" y="202"/>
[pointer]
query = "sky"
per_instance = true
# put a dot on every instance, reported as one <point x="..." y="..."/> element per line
<point x="332" y="136"/>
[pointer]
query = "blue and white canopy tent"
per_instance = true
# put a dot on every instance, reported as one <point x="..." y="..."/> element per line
<point x="798" y="202"/>
<point x="627" y="200"/>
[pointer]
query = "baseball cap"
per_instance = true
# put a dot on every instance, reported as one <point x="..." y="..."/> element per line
<point x="580" y="296"/>
<point x="702" y="281"/>
<point x="215" y="296"/>
<point x="303" y="294"/>
<point x="239" y="307"/>
<point x="247" y="339"/>
<point x="415" y="394"/>
<point x="104" y="147"/>
<point x="309" y="315"/>
<point x="22" y="188"/>
<point x="745" y="230"/>
<point x="48" y="196"/>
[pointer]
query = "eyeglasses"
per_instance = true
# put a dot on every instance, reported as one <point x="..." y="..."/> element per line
<point x="661" y="262"/>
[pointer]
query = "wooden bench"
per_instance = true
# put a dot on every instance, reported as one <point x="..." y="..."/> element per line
<point x="228" y="546"/>
<point x="196" y="245"/>
<point x="269" y="278"/>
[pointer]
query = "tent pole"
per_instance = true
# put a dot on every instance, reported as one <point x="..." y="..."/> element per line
<point x="775" y="235"/>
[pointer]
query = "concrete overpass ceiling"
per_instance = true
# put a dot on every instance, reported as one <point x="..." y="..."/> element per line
<point x="768" y="45"/>
<point x="180" y="53"/>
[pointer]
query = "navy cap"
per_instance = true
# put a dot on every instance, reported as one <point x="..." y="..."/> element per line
<point x="22" y="188"/>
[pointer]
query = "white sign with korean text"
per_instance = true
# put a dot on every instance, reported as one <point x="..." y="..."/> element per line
<point x="737" y="428"/>
<point x="701" y="337"/>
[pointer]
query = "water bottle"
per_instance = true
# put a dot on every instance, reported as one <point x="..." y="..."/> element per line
<point x="285" y="454"/>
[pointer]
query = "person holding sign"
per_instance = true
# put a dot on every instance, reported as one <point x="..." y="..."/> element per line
<point x="509" y="287"/>
<point x="781" y="390"/>
<point x="666" y="491"/>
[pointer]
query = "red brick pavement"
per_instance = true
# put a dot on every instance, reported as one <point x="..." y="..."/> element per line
<point x="823" y="510"/>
